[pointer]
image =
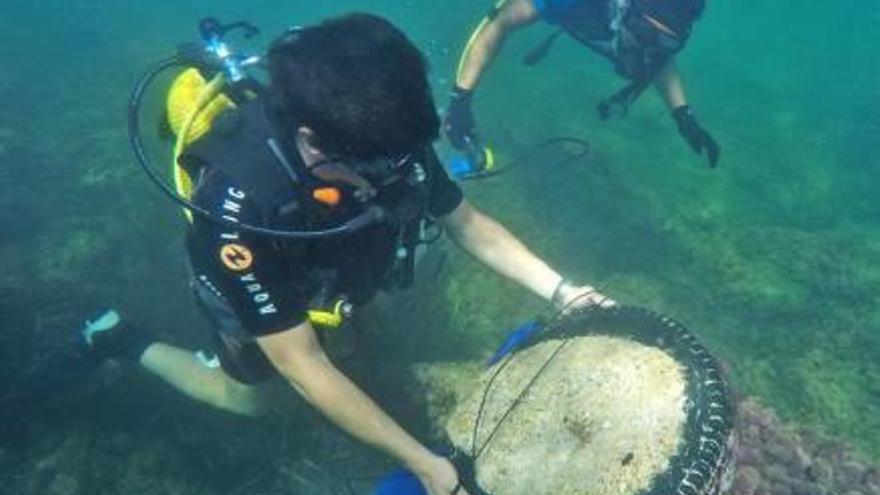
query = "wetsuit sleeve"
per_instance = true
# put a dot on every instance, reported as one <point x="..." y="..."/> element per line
<point x="444" y="194"/>
<point x="256" y="276"/>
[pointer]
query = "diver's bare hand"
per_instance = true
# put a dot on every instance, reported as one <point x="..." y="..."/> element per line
<point x="572" y="297"/>
<point x="440" y="478"/>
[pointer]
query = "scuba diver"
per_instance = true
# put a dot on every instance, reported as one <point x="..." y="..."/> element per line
<point x="640" y="37"/>
<point x="313" y="191"/>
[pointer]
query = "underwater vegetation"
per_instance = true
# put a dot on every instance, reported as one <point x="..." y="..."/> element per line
<point x="774" y="259"/>
<point x="779" y="459"/>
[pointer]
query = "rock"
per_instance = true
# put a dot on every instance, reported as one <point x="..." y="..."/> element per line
<point x="747" y="481"/>
<point x="820" y="472"/>
<point x="818" y="490"/>
<point x="779" y="459"/>
<point x="748" y="455"/>
<point x="620" y="404"/>
<point x="781" y="489"/>
<point x="773" y="458"/>
<point x="776" y="473"/>
<point x="782" y="455"/>
<point x="439" y="386"/>
<point x="803" y="487"/>
<point x="802" y="460"/>
<point x="751" y="434"/>
<point x="852" y="472"/>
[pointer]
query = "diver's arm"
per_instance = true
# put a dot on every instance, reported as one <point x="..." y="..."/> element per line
<point x="487" y="39"/>
<point x="493" y="245"/>
<point x="298" y="356"/>
<point x="669" y="84"/>
<point x="459" y="124"/>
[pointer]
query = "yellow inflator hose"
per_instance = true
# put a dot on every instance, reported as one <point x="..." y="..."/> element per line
<point x="191" y="107"/>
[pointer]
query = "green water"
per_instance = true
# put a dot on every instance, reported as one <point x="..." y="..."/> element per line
<point x="774" y="258"/>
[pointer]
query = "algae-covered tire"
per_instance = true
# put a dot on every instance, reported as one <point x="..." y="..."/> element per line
<point x="603" y="401"/>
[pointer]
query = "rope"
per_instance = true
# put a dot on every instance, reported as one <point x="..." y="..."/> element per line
<point x="476" y="453"/>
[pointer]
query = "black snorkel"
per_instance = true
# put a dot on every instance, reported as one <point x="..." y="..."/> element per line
<point x="214" y="57"/>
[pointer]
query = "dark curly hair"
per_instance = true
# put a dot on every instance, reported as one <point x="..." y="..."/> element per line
<point x="358" y="82"/>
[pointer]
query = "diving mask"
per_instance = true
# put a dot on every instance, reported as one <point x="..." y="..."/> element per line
<point x="368" y="179"/>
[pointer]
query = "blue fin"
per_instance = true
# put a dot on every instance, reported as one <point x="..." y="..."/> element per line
<point x="399" y="482"/>
<point x="514" y="340"/>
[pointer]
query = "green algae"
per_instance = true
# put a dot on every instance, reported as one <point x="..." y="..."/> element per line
<point x="772" y="259"/>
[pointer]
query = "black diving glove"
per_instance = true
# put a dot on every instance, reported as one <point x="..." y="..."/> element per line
<point x="696" y="136"/>
<point x="458" y="125"/>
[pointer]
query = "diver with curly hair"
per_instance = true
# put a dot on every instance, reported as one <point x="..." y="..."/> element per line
<point x="343" y="131"/>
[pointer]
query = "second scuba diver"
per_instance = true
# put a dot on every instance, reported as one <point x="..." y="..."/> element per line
<point x="343" y="131"/>
<point x="640" y="37"/>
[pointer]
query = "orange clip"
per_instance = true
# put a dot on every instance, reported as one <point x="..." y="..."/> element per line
<point x="330" y="196"/>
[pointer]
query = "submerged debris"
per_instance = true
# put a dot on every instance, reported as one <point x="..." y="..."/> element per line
<point x="603" y="400"/>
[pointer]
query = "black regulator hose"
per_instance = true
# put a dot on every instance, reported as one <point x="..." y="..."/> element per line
<point x="372" y="215"/>
<point x="535" y="151"/>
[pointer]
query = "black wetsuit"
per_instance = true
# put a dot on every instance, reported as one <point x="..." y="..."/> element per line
<point x="251" y="285"/>
<point x="591" y="22"/>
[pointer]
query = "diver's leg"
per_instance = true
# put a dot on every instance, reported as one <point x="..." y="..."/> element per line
<point x="190" y="375"/>
<point x="488" y="38"/>
<point x="108" y="337"/>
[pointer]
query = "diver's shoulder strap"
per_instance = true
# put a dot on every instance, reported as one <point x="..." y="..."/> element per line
<point x="243" y="146"/>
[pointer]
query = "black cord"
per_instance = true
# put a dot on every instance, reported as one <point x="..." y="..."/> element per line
<point x="516" y="402"/>
<point x="531" y="154"/>
<point x="371" y="216"/>
<point x="476" y="453"/>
